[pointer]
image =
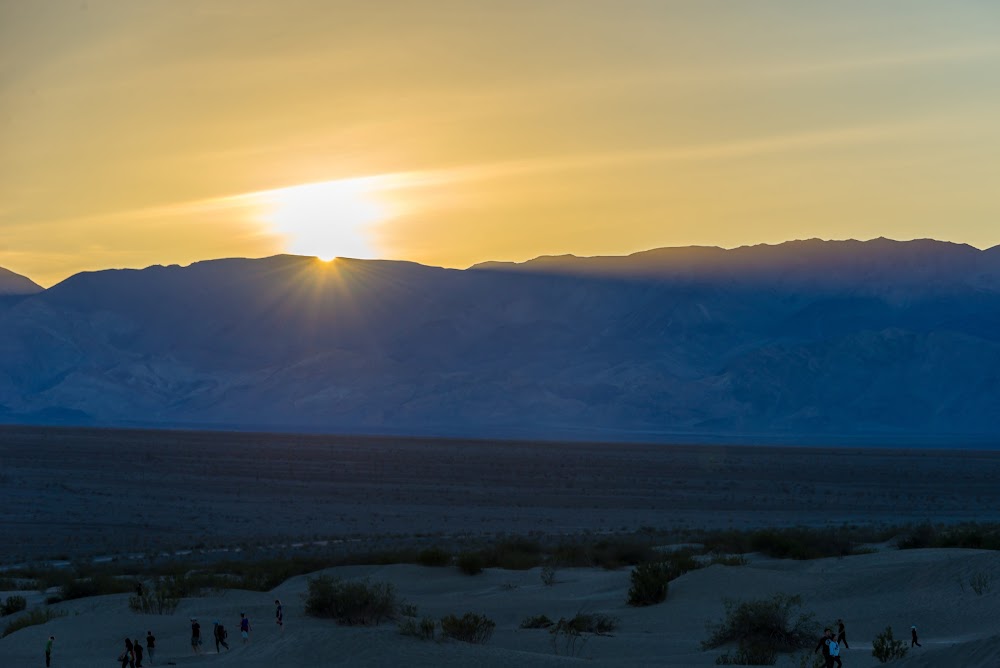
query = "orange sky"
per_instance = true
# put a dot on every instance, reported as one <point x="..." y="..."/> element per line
<point x="449" y="133"/>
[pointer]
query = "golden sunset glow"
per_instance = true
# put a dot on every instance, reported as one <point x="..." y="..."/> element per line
<point x="328" y="220"/>
<point x="157" y="132"/>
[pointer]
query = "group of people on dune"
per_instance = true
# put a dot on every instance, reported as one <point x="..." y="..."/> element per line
<point x="832" y="644"/>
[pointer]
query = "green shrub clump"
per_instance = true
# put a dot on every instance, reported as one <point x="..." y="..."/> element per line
<point x="351" y="602"/>
<point x="649" y="583"/>
<point x="536" y="622"/>
<point x="13" y="604"/>
<point x="160" y="599"/>
<point x="434" y="556"/>
<point x="471" y="628"/>
<point x="424" y="629"/>
<point x="749" y="655"/>
<point x="885" y="648"/>
<point x="772" y="623"/>
<point x="97" y="585"/>
<point x="32" y="618"/>
<point x="470" y="563"/>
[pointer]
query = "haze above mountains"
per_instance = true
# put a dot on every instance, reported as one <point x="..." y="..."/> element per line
<point x="807" y="341"/>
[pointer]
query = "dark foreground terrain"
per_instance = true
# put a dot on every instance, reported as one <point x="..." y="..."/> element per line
<point x="67" y="493"/>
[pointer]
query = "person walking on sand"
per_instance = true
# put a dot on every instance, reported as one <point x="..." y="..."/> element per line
<point x="128" y="656"/>
<point x="244" y="628"/>
<point x="824" y="644"/>
<point x="48" y="651"/>
<point x="219" y="631"/>
<point x="150" y="645"/>
<point x="279" y="615"/>
<point x="137" y="648"/>
<point x="195" y="635"/>
<point x="842" y="634"/>
<point x="835" y="653"/>
<point x="913" y="637"/>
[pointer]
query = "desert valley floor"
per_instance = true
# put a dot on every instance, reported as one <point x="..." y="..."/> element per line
<point x="69" y="494"/>
<point x="74" y="492"/>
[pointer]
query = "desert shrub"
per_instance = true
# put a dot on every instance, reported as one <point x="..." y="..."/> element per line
<point x="471" y="628"/>
<point x="11" y="584"/>
<point x="548" y="575"/>
<point x="617" y="554"/>
<point x="971" y="536"/>
<point x="97" y="585"/>
<point x="571" y="555"/>
<point x="567" y="638"/>
<point x="517" y="554"/>
<point x="196" y="584"/>
<point x="433" y="556"/>
<point x="596" y="622"/>
<point x="570" y="635"/>
<point x="773" y="623"/>
<point x="407" y="610"/>
<point x="351" y="602"/>
<point x="13" y="604"/>
<point x="267" y="574"/>
<point x="802" y="543"/>
<point x="156" y="600"/>
<point x="810" y="660"/>
<point x="32" y="618"/>
<point x="727" y="559"/>
<point x="981" y="583"/>
<point x="536" y="622"/>
<point x="749" y="655"/>
<point x="649" y="583"/>
<point x="470" y="563"/>
<point x="920" y="536"/>
<point x="424" y="629"/>
<point x="885" y="648"/>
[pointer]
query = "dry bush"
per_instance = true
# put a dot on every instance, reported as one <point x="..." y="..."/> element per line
<point x="471" y="628"/>
<point x="13" y="604"/>
<point x="772" y="623"/>
<point x="536" y="622"/>
<point x="650" y="582"/>
<point x="32" y="618"/>
<point x="885" y="648"/>
<point x="351" y="602"/>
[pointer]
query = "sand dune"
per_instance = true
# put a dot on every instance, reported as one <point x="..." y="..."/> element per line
<point x="928" y="588"/>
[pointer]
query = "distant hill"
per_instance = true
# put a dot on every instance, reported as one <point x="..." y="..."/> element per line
<point x="878" y="341"/>
<point x="15" y="284"/>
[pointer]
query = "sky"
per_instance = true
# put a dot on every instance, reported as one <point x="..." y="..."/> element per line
<point x="149" y="132"/>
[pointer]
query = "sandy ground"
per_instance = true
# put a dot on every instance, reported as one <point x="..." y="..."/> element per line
<point x="66" y="493"/>
<point x="76" y="493"/>
<point x="898" y="588"/>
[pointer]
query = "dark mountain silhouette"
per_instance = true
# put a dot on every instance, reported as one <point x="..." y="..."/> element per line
<point x="810" y="340"/>
<point x="15" y="284"/>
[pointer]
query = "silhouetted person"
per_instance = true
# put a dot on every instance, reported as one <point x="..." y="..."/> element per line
<point x="824" y="644"/>
<point x="244" y="628"/>
<point x="219" y="631"/>
<point x="195" y="635"/>
<point x="150" y="645"/>
<point x="137" y="649"/>
<point x="48" y="651"/>
<point x="842" y="634"/>
<point x="279" y="615"/>
<point x="913" y="637"/>
<point x="128" y="656"/>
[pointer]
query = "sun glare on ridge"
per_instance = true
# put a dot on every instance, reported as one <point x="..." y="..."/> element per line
<point x="327" y="219"/>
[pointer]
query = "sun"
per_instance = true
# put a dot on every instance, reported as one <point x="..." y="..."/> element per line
<point x="327" y="219"/>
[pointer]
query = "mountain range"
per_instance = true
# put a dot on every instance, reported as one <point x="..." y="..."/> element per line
<point x="806" y="341"/>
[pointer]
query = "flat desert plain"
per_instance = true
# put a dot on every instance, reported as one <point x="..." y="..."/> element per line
<point x="67" y="493"/>
<point x="77" y="493"/>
